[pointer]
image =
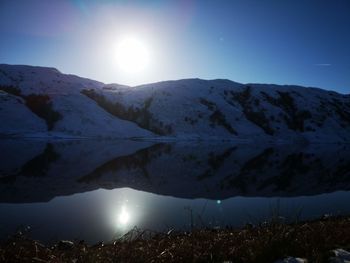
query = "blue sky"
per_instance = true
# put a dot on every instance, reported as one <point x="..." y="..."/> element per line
<point x="251" y="41"/>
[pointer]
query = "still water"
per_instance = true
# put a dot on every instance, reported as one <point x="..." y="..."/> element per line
<point x="99" y="190"/>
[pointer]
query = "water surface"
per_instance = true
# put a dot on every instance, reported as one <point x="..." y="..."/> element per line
<point x="98" y="190"/>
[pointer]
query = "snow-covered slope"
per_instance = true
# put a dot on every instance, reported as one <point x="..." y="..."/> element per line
<point x="183" y="109"/>
<point x="38" y="101"/>
<point x="16" y="118"/>
<point x="195" y="108"/>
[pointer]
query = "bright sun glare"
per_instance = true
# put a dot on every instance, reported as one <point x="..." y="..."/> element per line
<point x="132" y="55"/>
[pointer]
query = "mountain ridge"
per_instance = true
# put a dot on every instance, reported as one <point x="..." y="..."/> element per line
<point x="186" y="109"/>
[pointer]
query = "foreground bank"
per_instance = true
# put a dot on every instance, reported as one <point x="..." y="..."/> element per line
<point x="314" y="241"/>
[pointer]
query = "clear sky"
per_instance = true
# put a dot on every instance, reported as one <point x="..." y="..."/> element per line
<point x="249" y="41"/>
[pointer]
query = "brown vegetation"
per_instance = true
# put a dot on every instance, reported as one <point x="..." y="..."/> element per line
<point x="264" y="243"/>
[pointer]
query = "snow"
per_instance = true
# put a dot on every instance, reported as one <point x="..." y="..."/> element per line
<point x="189" y="109"/>
<point x="94" y="120"/>
<point x="174" y="102"/>
<point x="81" y="116"/>
<point x="16" y="118"/>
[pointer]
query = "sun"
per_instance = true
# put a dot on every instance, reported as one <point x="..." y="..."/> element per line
<point x="132" y="55"/>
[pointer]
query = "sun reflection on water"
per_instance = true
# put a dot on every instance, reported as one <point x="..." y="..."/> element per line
<point x="124" y="216"/>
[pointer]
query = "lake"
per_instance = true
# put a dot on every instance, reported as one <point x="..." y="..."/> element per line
<point x="100" y="189"/>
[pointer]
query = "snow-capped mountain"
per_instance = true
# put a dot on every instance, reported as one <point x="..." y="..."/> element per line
<point x="36" y="101"/>
<point x="49" y="102"/>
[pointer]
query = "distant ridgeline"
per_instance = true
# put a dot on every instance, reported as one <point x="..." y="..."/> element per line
<point x="38" y="101"/>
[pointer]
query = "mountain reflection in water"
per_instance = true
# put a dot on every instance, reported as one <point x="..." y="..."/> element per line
<point x="160" y="185"/>
<point x="186" y="170"/>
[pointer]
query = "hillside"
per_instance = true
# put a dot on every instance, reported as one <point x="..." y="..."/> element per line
<point x="45" y="96"/>
<point x="183" y="109"/>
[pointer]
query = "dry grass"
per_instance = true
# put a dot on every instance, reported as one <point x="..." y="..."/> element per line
<point x="264" y="243"/>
